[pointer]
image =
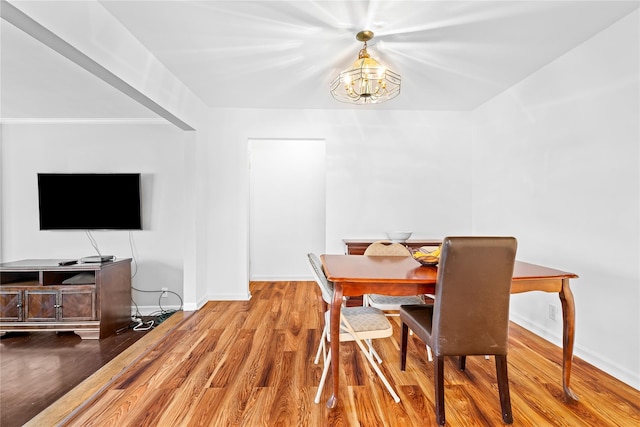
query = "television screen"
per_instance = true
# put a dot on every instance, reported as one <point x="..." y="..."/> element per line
<point x="89" y="201"/>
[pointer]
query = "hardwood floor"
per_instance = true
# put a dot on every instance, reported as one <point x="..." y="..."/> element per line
<point x="38" y="368"/>
<point x="251" y="363"/>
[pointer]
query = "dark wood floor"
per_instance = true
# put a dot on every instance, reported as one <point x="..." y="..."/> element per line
<point x="38" y="368"/>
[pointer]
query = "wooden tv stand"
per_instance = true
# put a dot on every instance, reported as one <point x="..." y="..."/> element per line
<point x="39" y="294"/>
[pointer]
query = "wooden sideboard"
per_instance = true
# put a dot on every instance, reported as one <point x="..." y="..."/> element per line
<point x="91" y="299"/>
<point x="358" y="246"/>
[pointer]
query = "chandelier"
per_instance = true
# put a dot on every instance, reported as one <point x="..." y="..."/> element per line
<point x="367" y="81"/>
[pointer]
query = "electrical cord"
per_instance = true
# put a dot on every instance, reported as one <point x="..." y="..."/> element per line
<point x="162" y="314"/>
<point x="143" y="326"/>
<point x="132" y="247"/>
<point x="135" y="271"/>
<point x="93" y="242"/>
<point x="159" y="298"/>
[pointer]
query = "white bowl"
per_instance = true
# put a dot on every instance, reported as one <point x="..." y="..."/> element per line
<point x="398" y="236"/>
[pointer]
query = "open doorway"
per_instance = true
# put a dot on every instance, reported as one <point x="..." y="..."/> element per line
<point x="287" y="207"/>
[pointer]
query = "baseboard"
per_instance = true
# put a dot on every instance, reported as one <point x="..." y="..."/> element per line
<point x="150" y="310"/>
<point x="599" y="361"/>
<point x="229" y="297"/>
<point x="303" y="278"/>
<point x="192" y="306"/>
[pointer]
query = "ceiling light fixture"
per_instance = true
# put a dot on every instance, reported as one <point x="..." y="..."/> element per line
<point x="367" y="81"/>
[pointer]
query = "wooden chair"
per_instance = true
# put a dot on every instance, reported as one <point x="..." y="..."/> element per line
<point x="470" y="315"/>
<point x="357" y="324"/>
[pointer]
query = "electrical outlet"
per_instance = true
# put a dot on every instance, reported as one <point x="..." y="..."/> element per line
<point x="553" y="312"/>
<point x="165" y="294"/>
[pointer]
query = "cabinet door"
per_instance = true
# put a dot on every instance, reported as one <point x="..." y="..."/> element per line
<point x="11" y="306"/>
<point x="41" y="305"/>
<point x="77" y="304"/>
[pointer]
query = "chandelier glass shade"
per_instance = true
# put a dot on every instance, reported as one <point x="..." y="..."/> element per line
<point x="367" y="81"/>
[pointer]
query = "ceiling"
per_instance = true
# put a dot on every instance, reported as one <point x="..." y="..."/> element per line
<point x="452" y="55"/>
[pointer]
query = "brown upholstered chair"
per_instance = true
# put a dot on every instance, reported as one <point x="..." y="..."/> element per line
<point x="470" y="315"/>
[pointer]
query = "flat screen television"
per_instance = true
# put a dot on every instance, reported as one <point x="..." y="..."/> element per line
<point x="89" y="201"/>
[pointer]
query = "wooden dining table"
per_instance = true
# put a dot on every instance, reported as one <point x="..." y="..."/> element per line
<point x="356" y="275"/>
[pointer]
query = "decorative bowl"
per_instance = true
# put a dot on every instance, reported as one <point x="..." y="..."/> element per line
<point x="398" y="236"/>
<point x="427" y="260"/>
<point x="425" y="256"/>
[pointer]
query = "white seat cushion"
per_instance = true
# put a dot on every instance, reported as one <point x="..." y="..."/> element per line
<point x="393" y="302"/>
<point x="367" y="322"/>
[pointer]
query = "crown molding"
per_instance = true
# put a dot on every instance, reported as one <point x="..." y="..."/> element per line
<point x="84" y="121"/>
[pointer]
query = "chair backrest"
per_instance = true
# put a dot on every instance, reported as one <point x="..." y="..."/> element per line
<point x="473" y="289"/>
<point x="326" y="287"/>
<point x="387" y="248"/>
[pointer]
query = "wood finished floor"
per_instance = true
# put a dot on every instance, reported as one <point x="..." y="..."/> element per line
<point x="38" y="368"/>
<point x="251" y="364"/>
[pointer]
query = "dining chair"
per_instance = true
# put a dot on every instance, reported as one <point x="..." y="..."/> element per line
<point x="470" y="314"/>
<point x="356" y="324"/>
<point x="389" y="302"/>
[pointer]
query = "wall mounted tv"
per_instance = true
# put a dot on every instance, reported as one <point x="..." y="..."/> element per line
<point x="89" y="201"/>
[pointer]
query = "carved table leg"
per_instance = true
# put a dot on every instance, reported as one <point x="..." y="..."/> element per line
<point x="568" y="336"/>
<point x="334" y="329"/>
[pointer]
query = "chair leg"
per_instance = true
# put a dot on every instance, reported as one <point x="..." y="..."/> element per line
<point x="462" y="362"/>
<point x="503" y="388"/>
<point x="429" y="353"/>
<point x="373" y="352"/>
<point x="439" y="388"/>
<point x="403" y="346"/>
<point x="322" y="348"/>
<point x="347" y="327"/>
<point x="375" y="367"/>
<point x="325" y="371"/>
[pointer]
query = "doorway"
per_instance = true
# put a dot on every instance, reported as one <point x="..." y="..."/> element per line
<point x="287" y="212"/>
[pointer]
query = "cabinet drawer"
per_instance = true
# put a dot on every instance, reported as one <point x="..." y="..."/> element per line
<point x="77" y="305"/>
<point x="41" y="305"/>
<point x="11" y="305"/>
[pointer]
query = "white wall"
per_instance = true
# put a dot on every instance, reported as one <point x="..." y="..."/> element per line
<point x="556" y="161"/>
<point x="385" y="170"/>
<point x="155" y="151"/>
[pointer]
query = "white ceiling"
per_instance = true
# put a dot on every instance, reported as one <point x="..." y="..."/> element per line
<point x="452" y="55"/>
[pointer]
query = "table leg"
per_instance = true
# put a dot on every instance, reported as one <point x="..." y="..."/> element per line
<point x="568" y="336"/>
<point x="334" y="330"/>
